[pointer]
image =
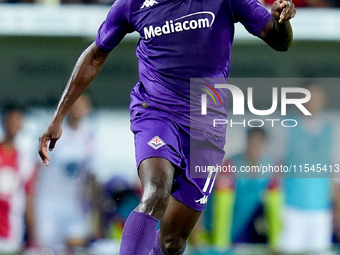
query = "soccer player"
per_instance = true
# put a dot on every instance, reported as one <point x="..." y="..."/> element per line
<point x="179" y="40"/>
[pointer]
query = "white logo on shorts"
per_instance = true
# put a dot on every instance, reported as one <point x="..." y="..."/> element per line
<point x="156" y="142"/>
<point x="203" y="200"/>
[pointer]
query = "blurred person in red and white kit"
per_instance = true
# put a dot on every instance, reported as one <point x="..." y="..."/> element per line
<point x="17" y="177"/>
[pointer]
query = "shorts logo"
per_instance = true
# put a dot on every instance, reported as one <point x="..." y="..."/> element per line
<point x="156" y="142"/>
<point x="203" y="200"/>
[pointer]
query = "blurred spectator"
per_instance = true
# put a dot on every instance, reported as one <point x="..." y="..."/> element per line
<point x="307" y="217"/>
<point x="245" y="207"/>
<point x="17" y="176"/>
<point x="63" y="207"/>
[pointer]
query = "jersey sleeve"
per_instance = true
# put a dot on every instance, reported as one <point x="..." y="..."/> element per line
<point x="252" y="14"/>
<point x="115" y="27"/>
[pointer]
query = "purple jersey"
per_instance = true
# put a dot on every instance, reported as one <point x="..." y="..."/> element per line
<point x="179" y="40"/>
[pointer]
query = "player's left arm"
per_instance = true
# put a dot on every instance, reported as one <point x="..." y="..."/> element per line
<point x="278" y="33"/>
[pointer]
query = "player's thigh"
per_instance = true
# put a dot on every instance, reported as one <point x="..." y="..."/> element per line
<point x="177" y="222"/>
<point x="202" y="150"/>
<point x="156" y="175"/>
<point x="156" y="171"/>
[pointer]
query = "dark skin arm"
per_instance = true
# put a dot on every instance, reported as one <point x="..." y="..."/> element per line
<point x="278" y="33"/>
<point x="87" y="67"/>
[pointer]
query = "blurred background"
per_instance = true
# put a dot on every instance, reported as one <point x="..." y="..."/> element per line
<point x="40" y="43"/>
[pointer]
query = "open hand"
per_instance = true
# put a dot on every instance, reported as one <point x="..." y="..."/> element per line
<point x="49" y="139"/>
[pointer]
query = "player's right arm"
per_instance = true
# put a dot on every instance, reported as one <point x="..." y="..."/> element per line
<point x="87" y="67"/>
<point x="278" y="33"/>
<point x="274" y="28"/>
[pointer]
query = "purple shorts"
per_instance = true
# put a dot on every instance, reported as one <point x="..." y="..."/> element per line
<point x="158" y="135"/>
